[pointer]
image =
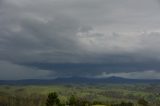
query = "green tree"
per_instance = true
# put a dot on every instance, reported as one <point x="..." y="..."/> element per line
<point x="52" y="100"/>
<point x="83" y="102"/>
<point x="72" y="101"/>
<point x="142" y="102"/>
<point x="126" y="104"/>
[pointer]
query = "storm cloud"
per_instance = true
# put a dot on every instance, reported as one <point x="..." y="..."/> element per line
<point x="59" y="38"/>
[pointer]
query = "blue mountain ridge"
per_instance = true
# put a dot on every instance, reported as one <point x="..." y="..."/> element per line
<point x="79" y="80"/>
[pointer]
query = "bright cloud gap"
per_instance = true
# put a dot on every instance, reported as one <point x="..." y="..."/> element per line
<point x="150" y="74"/>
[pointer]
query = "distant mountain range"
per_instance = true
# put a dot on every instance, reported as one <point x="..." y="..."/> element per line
<point x="79" y="80"/>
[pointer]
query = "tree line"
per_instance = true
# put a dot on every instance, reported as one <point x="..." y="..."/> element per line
<point x="53" y="100"/>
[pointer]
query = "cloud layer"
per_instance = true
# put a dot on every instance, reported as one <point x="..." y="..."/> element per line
<point x="56" y="38"/>
<point x="151" y="74"/>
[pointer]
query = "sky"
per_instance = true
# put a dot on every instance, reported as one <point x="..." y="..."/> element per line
<point x="42" y="39"/>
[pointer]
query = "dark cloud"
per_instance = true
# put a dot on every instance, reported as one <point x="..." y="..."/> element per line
<point x="34" y="38"/>
<point x="68" y="38"/>
<point x="11" y="71"/>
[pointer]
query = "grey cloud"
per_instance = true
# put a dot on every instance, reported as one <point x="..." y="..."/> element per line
<point x="85" y="29"/>
<point x="96" y="32"/>
<point x="32" y="36"/>
<point x="11" y="71"/>
<point x="119" y="15"/>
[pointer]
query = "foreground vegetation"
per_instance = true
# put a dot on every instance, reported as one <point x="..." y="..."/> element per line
<point x="80" y="95"/>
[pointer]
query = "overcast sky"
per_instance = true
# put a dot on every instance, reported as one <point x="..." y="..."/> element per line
<point x="90" y="38"/>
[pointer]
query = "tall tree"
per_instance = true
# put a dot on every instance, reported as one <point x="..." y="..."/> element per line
<point x="52" y="99"/>
<point x="72" y="101"/>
